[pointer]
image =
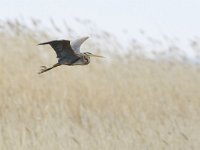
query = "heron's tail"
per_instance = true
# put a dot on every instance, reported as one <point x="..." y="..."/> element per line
<point x="44" y="68"/>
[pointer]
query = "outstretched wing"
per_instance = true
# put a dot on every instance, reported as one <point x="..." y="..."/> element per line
<point x="63" y="49"/>
<point x="77" y="44"/>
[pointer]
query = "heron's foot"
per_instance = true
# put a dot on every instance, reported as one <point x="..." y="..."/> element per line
<point x="43" y="69"/>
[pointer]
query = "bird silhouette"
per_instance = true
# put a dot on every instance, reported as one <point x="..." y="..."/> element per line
<point x="68" y="53"/>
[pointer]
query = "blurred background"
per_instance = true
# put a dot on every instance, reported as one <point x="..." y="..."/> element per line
<point x="143" y="95"/>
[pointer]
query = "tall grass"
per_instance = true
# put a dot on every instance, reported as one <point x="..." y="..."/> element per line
<point x="133" y="104"/>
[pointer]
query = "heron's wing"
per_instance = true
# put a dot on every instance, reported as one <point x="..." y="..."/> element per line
<point x="63" y="49"/>
<point x="77" y="44"/>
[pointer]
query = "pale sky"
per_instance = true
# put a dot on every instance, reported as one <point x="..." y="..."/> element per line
<point x="171" y="17"/>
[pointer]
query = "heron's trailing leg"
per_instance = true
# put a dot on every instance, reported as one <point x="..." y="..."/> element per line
<point x="44" y="68"/>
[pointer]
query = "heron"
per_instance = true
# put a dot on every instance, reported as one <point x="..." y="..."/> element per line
<point x="68" y="53"/>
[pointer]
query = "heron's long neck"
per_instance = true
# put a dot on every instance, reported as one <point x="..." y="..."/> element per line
<point x="86" y="59"/>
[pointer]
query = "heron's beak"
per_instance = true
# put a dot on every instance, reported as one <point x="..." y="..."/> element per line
<point x="92" y="55"/>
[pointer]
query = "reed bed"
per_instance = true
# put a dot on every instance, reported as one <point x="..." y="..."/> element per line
<point x="126" y="103"/>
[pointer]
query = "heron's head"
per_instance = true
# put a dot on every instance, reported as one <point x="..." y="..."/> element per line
<point x="93" y="55"/>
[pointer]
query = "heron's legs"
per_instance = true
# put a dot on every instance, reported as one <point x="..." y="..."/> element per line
<point x="44" y="68"/>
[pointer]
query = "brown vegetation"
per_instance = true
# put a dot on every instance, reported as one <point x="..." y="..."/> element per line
<point x="136" y="104"/>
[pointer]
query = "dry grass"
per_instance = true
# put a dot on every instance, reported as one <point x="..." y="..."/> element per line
<point x="137" y="104"/>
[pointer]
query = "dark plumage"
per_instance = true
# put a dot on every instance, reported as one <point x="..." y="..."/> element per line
<point x="66" y="55"/>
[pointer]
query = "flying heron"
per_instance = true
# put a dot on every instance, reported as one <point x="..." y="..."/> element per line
<point x="68" y="53"/>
